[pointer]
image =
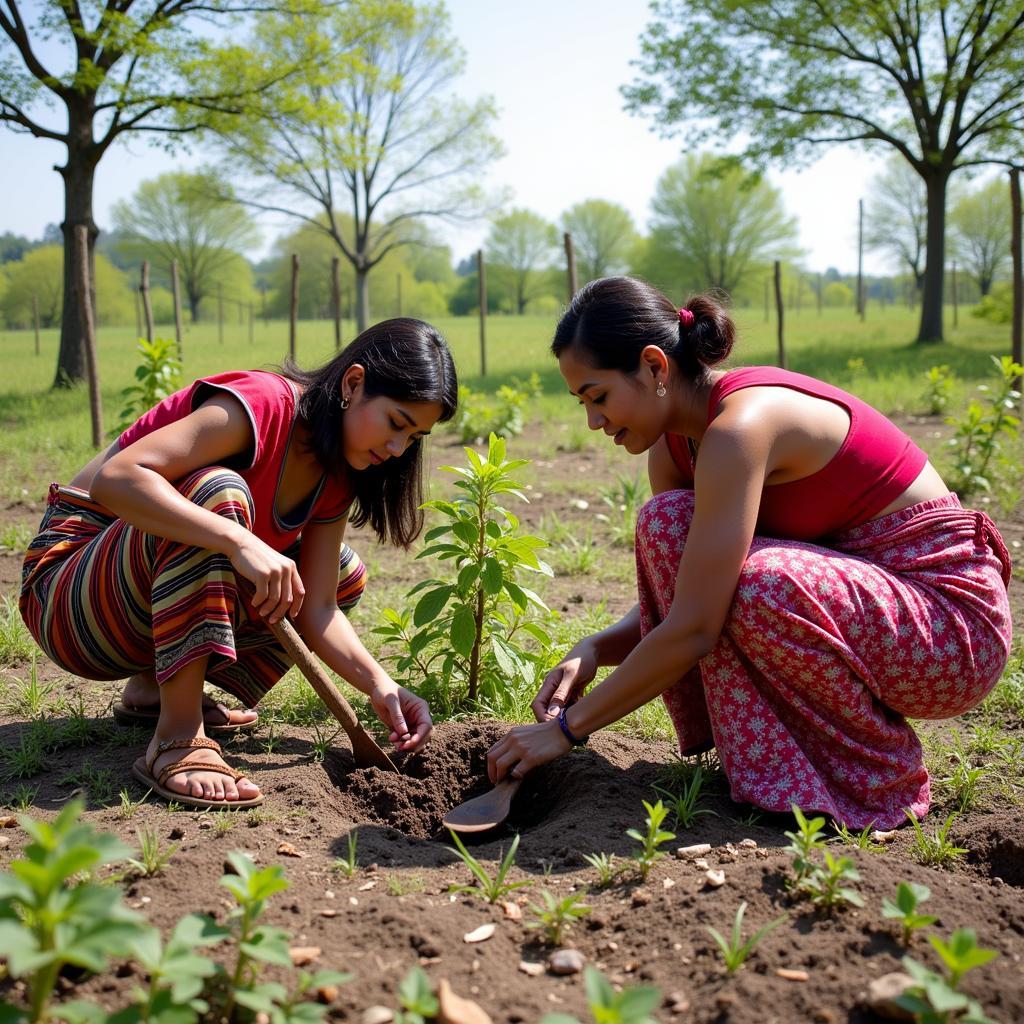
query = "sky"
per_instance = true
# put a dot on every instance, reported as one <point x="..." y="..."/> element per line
<point x="554" y="69"/>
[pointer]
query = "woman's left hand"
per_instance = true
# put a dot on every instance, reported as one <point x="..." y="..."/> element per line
<point x="526" y="747"/>
<point x="406" y="715"/>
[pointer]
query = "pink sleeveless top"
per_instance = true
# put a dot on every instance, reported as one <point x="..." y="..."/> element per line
<point x="875" y="464"/>
<point x="271" y="402"/>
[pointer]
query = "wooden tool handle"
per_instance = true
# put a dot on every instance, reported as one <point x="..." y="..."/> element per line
<point x="308" y="665"/>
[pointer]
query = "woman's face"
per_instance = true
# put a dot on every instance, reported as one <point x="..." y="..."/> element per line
<point x="376" y="429"/>
<point x="625" y="406"/>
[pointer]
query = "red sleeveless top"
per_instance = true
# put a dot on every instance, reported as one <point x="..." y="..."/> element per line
<point x="271" y="402"/>
<point x="875" y="464"/>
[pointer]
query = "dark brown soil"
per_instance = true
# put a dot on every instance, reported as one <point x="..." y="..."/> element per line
<point x="397" y="911"/>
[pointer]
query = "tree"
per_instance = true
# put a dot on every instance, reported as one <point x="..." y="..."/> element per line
<point x="520" y="246"/>
<point x="123" y="67"/>
<point x="896" y="215"/>
<point x="981" y="223"/>
<point x="185" y="217"/>
<point x="40" y="274"/>
<point x="377" y="133"/>
<point x="716" y="222"/>
<point x="602" y="235"/>
<point x="938" y="81"/>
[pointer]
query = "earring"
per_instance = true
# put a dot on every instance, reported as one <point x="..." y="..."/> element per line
<point x="344" y="404"/>
<point x="660" y="390"/>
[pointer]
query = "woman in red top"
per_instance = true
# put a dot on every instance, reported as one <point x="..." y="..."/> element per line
<point x="242" y="476"/>
<point x="805" y="577"/>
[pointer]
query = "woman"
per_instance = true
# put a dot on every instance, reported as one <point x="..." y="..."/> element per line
<point x="805" y="578"/>
<point x="221" y="510"/>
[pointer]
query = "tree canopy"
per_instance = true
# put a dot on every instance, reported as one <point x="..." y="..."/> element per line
<point x="374" y="128"/>
<point x="981" y="231"/>
<point x="520" y="247"/>
<point x="896" y="216"/>
<point x="603" y="236"/>
<point x="186" y="217"/>
<point x="86" y="74"/>
<point x="713" y="224"/>
<point x="936" y="81"/>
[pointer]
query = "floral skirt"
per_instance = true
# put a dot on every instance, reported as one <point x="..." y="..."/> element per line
<point x="826" y="649"/>
<point x="105" y="600"/>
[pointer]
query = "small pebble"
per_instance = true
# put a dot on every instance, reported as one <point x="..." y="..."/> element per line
<point x="376" y="1015"/>
<point x="714" y="879"/>
<point x="790" y="974"/>
<point x="288" y="850"/>
<point x="328" y="894"/>
<point x="667" y="883"/>
<point x="689" y="852"/>
<point x="367" y="886"/>
<point x="676" y="1002"/>
<point x="326" y="994"/>
<point x="512" y="910"/>
<point x="883" y="992"/>
<point x="353" y="901"/>
<point x="641" y="898"/>
<point x="303" y="955"/>
<point x="748" y="844"/>
<point x="8" y="821"/>
<point x="566" y="961"/>
<point x="531" y="969"/>
<point x="329" y="912"/>
<point x="481" y="934"/>
<point x="701" y="864"/>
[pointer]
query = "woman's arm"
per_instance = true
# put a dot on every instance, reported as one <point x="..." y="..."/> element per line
<point x="730" y="477"/>
<point x="136" y="485"/>
<point x="329" y="633"/>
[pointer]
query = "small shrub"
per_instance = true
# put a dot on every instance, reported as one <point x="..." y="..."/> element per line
<point x="909" y="896"/>
<point x="941" y="382"/>
<point x="633" y="1005"/>
<point x="481" y="415"/>
<point x="803" y="844"/>
<point x="158" y="375"/>
<point x="557" y="916"/>
<point x="491" y="889"/>
<point x="734" y="950"/>
<point x="650" y="841"/>
<point x="826" y="886"/>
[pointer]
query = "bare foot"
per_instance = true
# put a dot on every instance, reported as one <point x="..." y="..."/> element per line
<point x="142" y="693"/>
<point x="196" y="782"/>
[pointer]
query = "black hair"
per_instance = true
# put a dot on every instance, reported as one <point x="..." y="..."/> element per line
<point x="613" y="319"/>
<point x="406" y="360"/>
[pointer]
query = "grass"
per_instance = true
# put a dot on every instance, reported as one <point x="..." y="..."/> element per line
<point x="16" y="643"/>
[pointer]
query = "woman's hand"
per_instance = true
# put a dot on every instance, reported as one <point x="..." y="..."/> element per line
<point x="278" y="586"/>
<point x="565" y="683"/>
<point x="406" y="715"/>
<point x="526" y="747"/>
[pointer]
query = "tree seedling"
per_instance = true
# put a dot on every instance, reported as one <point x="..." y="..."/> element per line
<point x="825" y="886"/>
<point x="734" y="950"/>
<point x="419" y="1004"/>
<point x="685" y="804"/>
<point x="633" y="1005"/>
<point x="491" y="889"/>
<point x="152" y="859"/>
<point x="909" y="895"/>
<point x="936" y="999"/>
<point x="861" y="840"/>
<point x="556" y="917"/>
<point x="804" y="843"/>
<point x="348" y="865"/>
<point x="935" y="849"/>
<point x="650" y="842"/>
<point x="50" y="917"/>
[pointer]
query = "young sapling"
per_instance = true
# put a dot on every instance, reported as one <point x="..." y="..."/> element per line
<point x="491" y="889"/>
<point x="557" y="916"/>
<point x="734" y="950"/>
<point x="909" y="896"/>
<point x="649" y="853"/>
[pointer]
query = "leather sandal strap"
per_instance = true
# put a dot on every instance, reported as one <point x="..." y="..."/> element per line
<point x="196" y="743"/>
<point x="170" y="770"/>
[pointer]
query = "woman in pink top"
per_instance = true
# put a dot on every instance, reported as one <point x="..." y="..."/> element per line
<point x="806" y="580"/>
<point x="222" y="509"/>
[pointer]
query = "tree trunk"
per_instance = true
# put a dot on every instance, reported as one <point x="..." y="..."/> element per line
<point x="78" y="174"/>
<point x="194" y="298"/>
<point x="362" y="299"/>
<point x="935" y="255"/>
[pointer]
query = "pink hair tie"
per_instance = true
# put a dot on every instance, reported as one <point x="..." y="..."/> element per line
<point x="686" y="317"/>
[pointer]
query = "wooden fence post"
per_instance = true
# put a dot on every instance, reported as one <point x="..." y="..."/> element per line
<point x="147" y="306"/>
<point x="336" y="300"/>
<point x="482" y="275"/>
<point x="778" y="310"/>
<point x="293" y="311"/>
<point x="570" y="264"/>
<point x="85" y="308"/>
<point x="176" y="292"/>
<point x="1017" y="315"/>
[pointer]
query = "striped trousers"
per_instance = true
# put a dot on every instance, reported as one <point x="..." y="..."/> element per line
<point x="105" y="600"/>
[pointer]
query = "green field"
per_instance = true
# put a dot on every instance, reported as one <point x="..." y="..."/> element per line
<point x="46" y="433"/>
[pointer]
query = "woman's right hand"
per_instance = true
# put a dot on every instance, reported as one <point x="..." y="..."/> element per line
<point x="278" y="586"/>
<point x="566" y="681"/>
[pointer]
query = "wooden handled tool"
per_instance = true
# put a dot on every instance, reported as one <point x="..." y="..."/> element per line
<point x="364" y="747"/>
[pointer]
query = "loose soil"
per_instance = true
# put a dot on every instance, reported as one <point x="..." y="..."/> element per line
<point x="397" y="910"/>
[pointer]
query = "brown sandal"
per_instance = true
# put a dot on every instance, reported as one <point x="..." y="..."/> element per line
<point x="143" y="771"/>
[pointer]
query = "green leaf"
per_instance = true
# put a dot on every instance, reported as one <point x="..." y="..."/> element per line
<point x="463" y="631"/>
<point x="492" y="576"/>
<point x="430" y="605"/>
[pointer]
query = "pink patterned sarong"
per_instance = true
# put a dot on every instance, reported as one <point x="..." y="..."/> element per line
<point x="826" y="649"/>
